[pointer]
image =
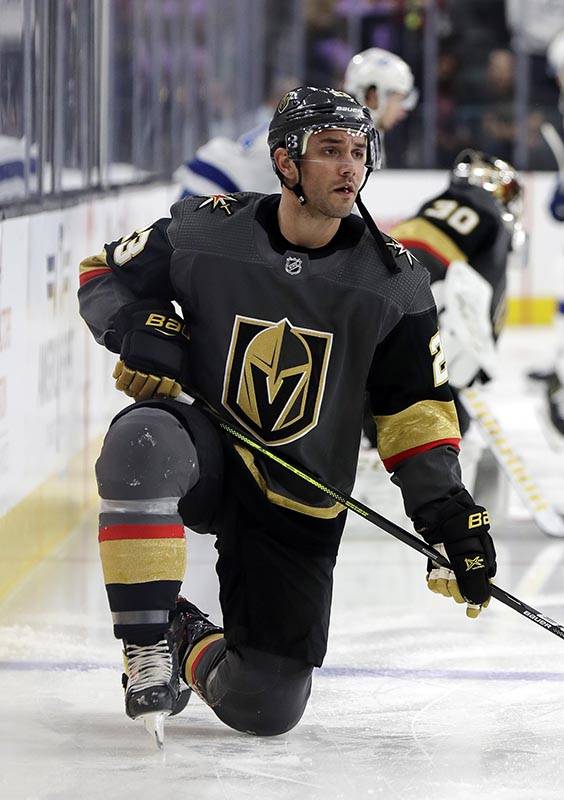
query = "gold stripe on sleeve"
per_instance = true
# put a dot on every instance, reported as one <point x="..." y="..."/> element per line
<point x="419" y="231"/>
<point x="93" y="262"/>
<point x="419" y="424"/>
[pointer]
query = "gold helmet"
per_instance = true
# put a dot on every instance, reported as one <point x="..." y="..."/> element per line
<point x="497" y="177"/>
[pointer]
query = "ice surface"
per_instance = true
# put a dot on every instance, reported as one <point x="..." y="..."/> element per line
<point x="414" y="700"/>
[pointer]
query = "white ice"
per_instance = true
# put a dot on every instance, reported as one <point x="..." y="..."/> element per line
<point x="414" y="700"/>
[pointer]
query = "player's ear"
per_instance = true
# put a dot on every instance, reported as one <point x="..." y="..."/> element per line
<point x="285" y="165"/>
<point x="371" y="97"/>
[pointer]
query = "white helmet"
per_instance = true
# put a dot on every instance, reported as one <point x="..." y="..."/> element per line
<point x="384" y="70"/>
<point x="555" y="52"/>
<point x="555" y="57"/>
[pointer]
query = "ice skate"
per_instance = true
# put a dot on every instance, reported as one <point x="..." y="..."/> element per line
<point x="188" y="626"/>
<point x="152" y="685"/>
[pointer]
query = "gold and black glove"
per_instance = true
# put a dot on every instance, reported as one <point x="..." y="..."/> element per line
<point x="461" y="533"/>
<point x="142" y="386"/>
<point x="152" y="342"/>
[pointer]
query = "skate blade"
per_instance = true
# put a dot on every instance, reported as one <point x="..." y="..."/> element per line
<point x="154" y="725"/>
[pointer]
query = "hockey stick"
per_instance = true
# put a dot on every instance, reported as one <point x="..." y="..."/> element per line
<point x="381" y="522"/>
<point x="543" y="513"/>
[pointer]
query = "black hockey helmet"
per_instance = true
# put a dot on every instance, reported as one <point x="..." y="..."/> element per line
<point x="307" y="109"/>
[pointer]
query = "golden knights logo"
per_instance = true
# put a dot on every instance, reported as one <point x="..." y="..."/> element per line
<point x="275" y="378"/>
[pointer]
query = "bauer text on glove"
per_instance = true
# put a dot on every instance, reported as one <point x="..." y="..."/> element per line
<point x="153" y="350"/>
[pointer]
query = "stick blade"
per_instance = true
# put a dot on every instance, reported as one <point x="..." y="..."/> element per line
<point x="550" y="522"/>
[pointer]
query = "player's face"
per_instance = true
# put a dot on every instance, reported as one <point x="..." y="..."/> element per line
<point x="333" y="171"/>
<point x="393" y="111"/>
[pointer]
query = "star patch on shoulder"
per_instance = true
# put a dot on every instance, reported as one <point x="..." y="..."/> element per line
<point x="399" y="250"/>
<point x="219" y="201"/>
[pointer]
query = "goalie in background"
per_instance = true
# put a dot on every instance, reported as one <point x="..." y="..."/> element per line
<point x="555" y="58"/>
<point x="464" y="237"/>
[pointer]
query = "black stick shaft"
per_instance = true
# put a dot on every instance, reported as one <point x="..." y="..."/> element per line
<point x="395" y="530"/>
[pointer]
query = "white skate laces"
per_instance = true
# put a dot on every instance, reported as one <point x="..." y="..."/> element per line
<point x="148" y="665"/>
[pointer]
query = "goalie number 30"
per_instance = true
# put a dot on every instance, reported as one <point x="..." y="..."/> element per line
<point x="461" y="218"/>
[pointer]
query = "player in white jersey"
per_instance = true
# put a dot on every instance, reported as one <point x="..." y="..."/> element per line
<point x="555" y="57"/>
<point x="554" y="378"/>
<point x="376" y="78"/>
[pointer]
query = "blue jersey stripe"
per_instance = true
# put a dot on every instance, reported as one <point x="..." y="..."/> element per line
<point x="205" y="170"/>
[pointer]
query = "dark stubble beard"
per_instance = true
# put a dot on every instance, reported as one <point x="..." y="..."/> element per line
<point x="332" y="211"/>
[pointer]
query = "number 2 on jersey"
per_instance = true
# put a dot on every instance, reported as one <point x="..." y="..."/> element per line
<point x="440" y="371"/>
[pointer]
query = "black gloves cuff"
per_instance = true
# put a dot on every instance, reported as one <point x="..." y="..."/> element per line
<point x="144" y="352"/>
<point x="429" y="520"/>
<point x="152" y="339"/>
<point x="129" y="317"/>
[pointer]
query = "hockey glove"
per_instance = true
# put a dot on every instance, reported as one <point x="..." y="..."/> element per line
<point x="461" y="533"/>
<point x="152" y="345"/>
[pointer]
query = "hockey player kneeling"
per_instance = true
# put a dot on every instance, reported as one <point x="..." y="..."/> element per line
<point x="292" y="309"/>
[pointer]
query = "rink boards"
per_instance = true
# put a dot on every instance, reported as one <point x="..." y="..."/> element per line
<point x="56" y="392"/>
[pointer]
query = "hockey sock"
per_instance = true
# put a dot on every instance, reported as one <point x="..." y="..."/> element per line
<point x="144" y="560"/>
<point x="202" y="658"/>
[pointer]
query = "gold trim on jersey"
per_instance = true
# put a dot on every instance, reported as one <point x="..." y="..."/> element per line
<point x="275" y="378"/>
<point x="419" y="424"/>
<point x="143" y="560"/>
<point x="195" y="653"/>
<point x="419" y="230"/>
<point x="328" y="512"/>
<point x="93" y="262"/>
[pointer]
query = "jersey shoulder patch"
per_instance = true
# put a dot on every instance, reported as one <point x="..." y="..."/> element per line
<point x="220" y="205"/>
<point x="398" y="250"/>
<point x="222" y="202"/>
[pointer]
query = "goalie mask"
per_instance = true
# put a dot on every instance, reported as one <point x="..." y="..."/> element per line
<point x="498" y="178"/>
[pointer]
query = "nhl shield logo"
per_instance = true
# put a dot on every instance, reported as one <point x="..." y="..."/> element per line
<point x="275" y="378"/>
<point x="293" y="265"/>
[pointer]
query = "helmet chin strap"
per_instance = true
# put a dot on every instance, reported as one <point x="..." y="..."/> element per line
<point x="297" y="188"/>
<point x="379" y="240"/>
